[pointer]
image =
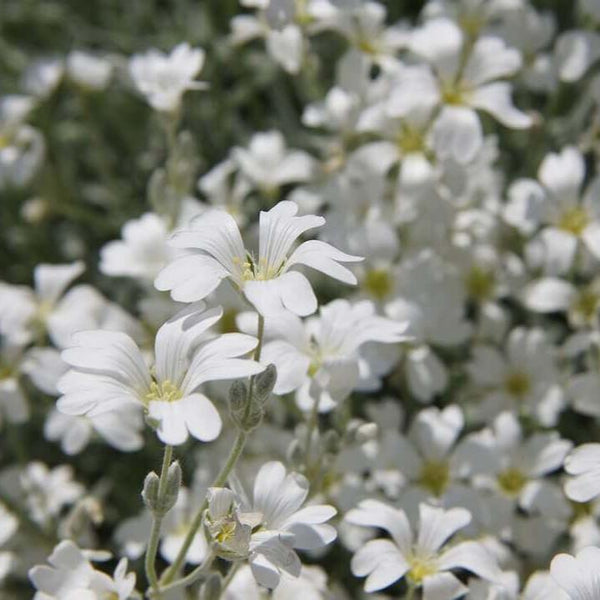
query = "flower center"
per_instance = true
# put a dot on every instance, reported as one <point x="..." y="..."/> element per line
<point x="410" y="140"/>
<point x="454" y="93"/>
<point x="517" y="384"/>
<point x="574" y="220"/>
<point x="163" y="391"/>
<point x="586" y="305"/>
<point x="261" y="270"/>
<point x="420" y="568"/>
<point x="511" y="481"/>
<point x="378" y="283"/>
<point x="435" y="476"/>
<point x="479" y="283"/>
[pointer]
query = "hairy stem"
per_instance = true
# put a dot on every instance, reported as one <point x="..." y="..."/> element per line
<point x="156" y="524"/>
<point x="221" y="479"/>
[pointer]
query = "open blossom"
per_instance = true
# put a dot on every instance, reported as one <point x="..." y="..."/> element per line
<point x="270" y="525"/>
<point x="568" y="218"/>
<point x="163" y="78"/>
<point x="26" y="313"/>
<point x="217" y="252"/>
<point x="464" y="87"/>
<point x="268" y="164"/>
<point x="583" y="464"/>
<point x="425" y="559"/>
<point x="320" y="358"/>
<point x="578" y="576"/>
<point x="71" y="576"/>
<point x="108" y="370"/>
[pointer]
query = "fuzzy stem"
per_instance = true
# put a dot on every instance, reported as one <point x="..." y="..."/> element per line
<point x="234" y="455"/>
<point x="156" y="523"/>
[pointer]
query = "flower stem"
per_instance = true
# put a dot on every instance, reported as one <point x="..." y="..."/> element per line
<point x="156" y="523"/>
<point x="191" y="577"/>
<point x="234" y="455"/>
<point x="312" y="423"/>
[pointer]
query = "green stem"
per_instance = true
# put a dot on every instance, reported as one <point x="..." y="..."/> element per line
<point x="310" y="427"/>
<point x="234" y="455"/>
<point x="192" y="577"/>
<point x="156" y="523"/>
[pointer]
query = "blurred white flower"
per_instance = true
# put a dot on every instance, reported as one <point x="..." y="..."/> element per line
<point x="71" y="576"/>
<point x="583" y="464"/>
<point x="320" y="358"/>
<point x="164" y="78"/>
<point x="88" y="70"/>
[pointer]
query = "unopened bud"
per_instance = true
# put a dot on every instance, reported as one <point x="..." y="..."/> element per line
<point x="264" y="383"/>
<point x="211" y="590"/>
<point x="237" y="397"/>
<point x="150" y="491"/>
<point x="171" y="492"/>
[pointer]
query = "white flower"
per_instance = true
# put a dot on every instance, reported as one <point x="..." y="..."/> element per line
<point x="72" y="577"/>
<point x="163" y="78"/>
<point x="517" y="468"/>
<point x="568" y="220"/>
<point x="320" y="358"/>
<point x="43" y="76"/>
<point x="427" y="464"/>
<point x="47" y="491"/>
<point x="108" y="371"/>
<point x="217" y="253"/>
<point x="277" y="523"/>
<point x="26" y="313"/>
<point x="311" y="584"/>
<point x="142" y="252"/>
<point x="579" y="575"/>
<point x="423" y="559"/>
<point x="463" y="87"/>
<point x="526" y="376"/>
<point x="120" y="428"/>
<point x="431" y="297"/>
<point x="583" y="463"/>
<point x="268" y="164"/>
<point x="88" y="70"/>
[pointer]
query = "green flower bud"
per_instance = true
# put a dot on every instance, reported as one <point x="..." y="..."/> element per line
<point x="171" y="492"/>
<point x="150" y="490"/>
<point x="264" y="383"/>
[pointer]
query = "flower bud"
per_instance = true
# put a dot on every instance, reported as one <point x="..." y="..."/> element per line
<point x="171" y="492"/>
<point x="150" y="490"/>
<point x="264" y="383"/>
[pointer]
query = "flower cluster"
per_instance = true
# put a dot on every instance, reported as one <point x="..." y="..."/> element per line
<point x="338" y="262"/>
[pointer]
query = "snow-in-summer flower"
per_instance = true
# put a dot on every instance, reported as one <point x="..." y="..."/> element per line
<point x="425" y="558"/>
<point x="320" y="358"/>
<point x="164" y="78"/>
<point x="578" y="576"/>
<point x="271" y="524"/>
<point x="108" y="370"/>
<point x="217" y="252"/>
